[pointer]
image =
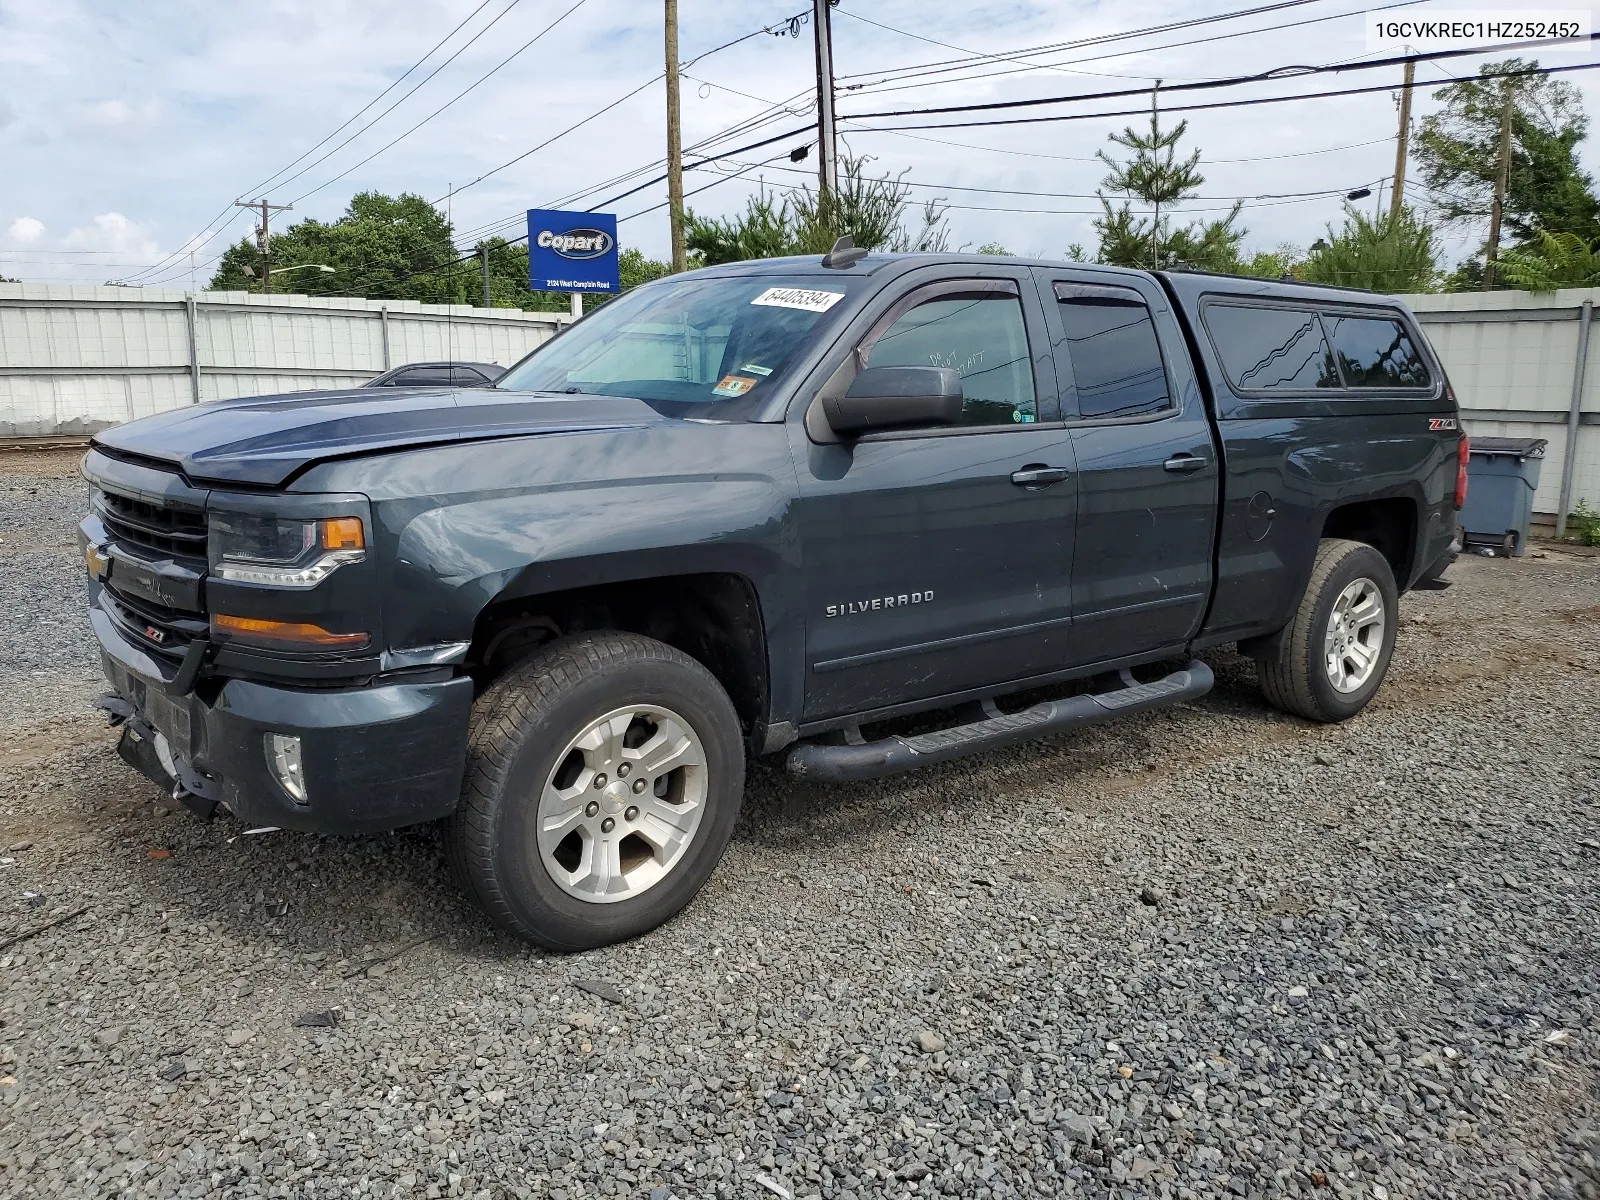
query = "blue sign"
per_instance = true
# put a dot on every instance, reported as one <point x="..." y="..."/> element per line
<point x="572" y="251"/>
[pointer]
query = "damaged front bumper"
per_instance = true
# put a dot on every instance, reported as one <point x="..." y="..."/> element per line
<point x="373" y="758"/>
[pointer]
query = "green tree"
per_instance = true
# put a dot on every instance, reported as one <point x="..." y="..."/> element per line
<point x="383" y="247"/>
<point x="993" y="248"/>
<point x="1458" y="149"/>
<point x="1271" y="264"/>
<point x="875" y="210"/>
<point x="1155" y="175"/>
<point x="1392" y="253"/>
<point x="402" y="248"/>
<point x="1551" y="261"/>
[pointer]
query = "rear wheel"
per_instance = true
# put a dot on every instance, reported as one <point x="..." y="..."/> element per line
<point x="1335" y="653"/>
<point x="604" y="775"/>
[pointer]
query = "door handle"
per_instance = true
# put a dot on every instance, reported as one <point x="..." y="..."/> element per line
<point x="1184" y="463"/>
<point x="1032" y="477"/>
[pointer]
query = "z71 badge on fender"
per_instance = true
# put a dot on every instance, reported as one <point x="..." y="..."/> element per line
<point x="851" y="607"/>
<point x="1438" y="423"/>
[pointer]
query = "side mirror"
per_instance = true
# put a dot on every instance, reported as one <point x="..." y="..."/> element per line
<point x="893" y="397"/>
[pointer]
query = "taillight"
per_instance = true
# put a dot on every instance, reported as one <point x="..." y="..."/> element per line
<point x="1463" y="451"/>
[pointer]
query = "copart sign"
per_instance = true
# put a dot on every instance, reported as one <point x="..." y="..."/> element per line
<point x="572" y="251"/>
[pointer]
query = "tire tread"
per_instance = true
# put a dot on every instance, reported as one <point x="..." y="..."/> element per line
<point x="501" y="720"/>
<point x="1286" y="678"/>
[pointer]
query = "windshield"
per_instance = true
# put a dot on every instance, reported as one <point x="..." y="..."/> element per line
<point x="710" y="347"/>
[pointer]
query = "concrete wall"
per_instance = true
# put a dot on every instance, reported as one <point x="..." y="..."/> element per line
<point x="1512" y="359"/>
<point x="75" y="359"/>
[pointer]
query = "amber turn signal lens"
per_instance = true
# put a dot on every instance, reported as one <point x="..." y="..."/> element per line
<point x="342" y="533"/>
<point x="284" y="634"/>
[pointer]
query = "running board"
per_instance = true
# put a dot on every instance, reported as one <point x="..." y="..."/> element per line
<point x="867" y="760"/>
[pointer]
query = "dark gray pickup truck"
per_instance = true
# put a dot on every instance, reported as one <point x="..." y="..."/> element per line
<point x="764" y="508"/>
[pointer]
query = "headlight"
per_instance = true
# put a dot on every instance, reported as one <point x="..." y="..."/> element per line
<point x="279" y="552"/>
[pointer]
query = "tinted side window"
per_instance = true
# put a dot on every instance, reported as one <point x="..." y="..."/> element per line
<point x="984" y="338"/>
<point x="1276" y="348"/>
<point x="1375" y="352"/>
<point x="1116" y="357"/>
<point x="467" y="377"/>
<point x="423" y="377"/>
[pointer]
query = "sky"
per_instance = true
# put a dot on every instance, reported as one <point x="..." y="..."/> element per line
<point x="127" y="131"/>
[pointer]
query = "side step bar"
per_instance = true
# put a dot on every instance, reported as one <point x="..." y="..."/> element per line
<point x="886" y="756"/>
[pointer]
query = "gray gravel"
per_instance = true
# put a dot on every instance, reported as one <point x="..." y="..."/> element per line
<point x="1207" y="952"/>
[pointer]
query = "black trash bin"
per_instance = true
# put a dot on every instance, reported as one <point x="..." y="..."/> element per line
<point x="1502" y="475"/>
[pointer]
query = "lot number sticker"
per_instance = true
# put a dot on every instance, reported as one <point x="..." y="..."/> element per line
<point x="733" y="385"/>
<point x="802" y="298"/>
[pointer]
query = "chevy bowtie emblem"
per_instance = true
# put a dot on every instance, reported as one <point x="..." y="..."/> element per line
<point x="154" y="634"/>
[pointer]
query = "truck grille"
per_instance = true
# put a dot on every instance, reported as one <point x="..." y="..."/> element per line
<point x="167" y="532"/>
<point x="165" y="631"/>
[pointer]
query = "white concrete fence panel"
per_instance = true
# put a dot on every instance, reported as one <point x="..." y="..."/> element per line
<point x="75" y="359"/>
<point x="1512" y="358"/>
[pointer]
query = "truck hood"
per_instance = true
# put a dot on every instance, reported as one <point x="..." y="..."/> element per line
<point x="265" y="440"/>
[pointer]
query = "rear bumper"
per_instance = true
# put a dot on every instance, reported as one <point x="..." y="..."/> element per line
<point x="374" y="758"/>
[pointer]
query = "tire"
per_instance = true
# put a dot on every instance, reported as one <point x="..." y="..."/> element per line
<point x="522" y="768"/>
<point x="1299" y="679"/>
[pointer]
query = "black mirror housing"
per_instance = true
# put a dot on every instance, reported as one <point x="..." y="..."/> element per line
<point x="895" y="397"/>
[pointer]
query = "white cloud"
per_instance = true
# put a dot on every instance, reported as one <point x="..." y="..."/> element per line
<point x="25" y="230"/>
<point x="113" y="231"/>
<point x="8" y="113"/>
<point x="115" y="116"/>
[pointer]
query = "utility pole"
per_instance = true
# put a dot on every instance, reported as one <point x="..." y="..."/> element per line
<point x="827" y="141"/>
<point x="483" y="258"/>
<point x="674" y="143"/>
<point x="1155" y="231"/>
<point x="1502" y="177"/>
<point x="1403" y="144"/>
<point x="264" y="236"/>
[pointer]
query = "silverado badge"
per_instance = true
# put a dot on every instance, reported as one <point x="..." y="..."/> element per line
<point x="850" y="607"/>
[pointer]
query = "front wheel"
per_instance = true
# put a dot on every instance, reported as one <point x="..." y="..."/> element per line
<point x="1335" y="652"/>
<point x="604" y="775"/>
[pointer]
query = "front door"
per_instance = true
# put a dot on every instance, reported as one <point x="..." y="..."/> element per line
<point x="1147" y="469"/>
<point x="937" y="559"/>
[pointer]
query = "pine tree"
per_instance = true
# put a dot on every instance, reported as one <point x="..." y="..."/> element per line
<point x="1156" y="176"/>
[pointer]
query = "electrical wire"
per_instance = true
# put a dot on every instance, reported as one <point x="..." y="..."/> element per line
<point x="866" y="89"/>
<point x="1284" y="72"/>
<point x="273" y="178"/>
<point x="464" y="91"/>
<point x="270" y="179"/>
<point x="994" y="191"/>
<point x="1097" y="40"/>
<point x="599" y="112"/>
<point x="1001" y="57"/>
<point x="1177" y="108"/>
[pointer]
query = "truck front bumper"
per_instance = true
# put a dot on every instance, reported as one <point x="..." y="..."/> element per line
<point x="372" y="758"/>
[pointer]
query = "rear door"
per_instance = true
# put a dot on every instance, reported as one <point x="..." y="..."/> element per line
<point x="937" y="559"/>
<point x="1147" y="470"/>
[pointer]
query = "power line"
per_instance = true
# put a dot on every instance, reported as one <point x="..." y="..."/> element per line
<point x="997" y="191"/>
<point x="370" y="124"/>
<point x="1284" y="72"/>
<point x="192" y="246"/>
<point x="463" y="92"/>
<point x="999" y="57"/>
<point x="759" y="118"/>
<point x="1097" y="40"/>
<point x="273" y="180"/>
<point x="1221" y="104"/>
<point x="1200" y="41"/>
<point x="555" y="137"/>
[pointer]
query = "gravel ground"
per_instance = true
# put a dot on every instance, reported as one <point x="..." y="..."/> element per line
<point x="1212" y="951"/>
